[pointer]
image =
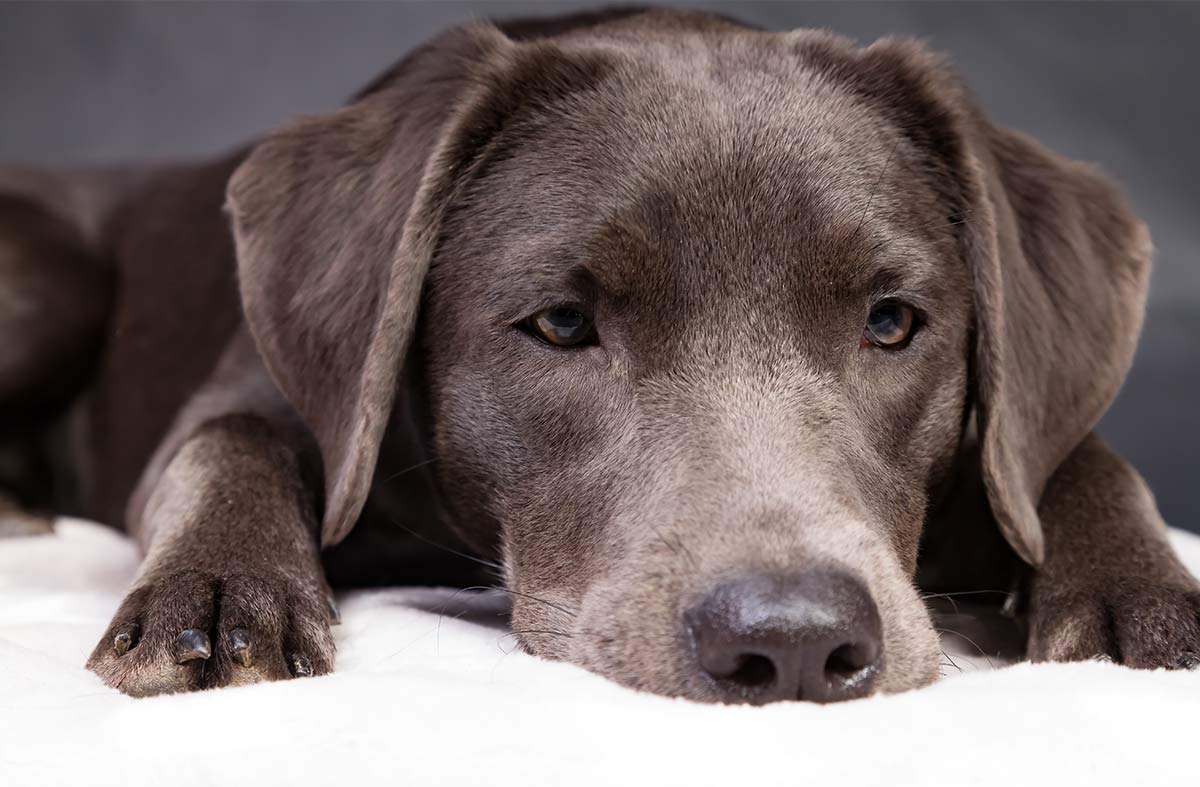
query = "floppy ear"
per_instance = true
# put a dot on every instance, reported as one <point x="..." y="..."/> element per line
<point x="336" y="221"/>
<point x="1060" y="268"/>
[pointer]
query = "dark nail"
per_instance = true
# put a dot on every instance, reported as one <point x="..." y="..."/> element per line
<point x="123" y="641"/>
<point x="239" y="647"/>
<point x="191" y="644"/>
<point x="335" y="616"/>
<point x="301" y="666"/>
<point x="1188" y="660"/>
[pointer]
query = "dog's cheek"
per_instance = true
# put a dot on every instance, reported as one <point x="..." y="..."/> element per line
<point x="477" y="452"/>
<point x="912" y="653"/>
<point x="907" y="415"/>
<point x="630" y="631"/>
<point x="907" y="449"/>
<point x="541" y="452"/>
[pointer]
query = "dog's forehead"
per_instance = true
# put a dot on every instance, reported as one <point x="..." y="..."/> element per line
<point x="709" y="176"/>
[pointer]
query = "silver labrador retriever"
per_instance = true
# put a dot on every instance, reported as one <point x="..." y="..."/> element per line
<point x="716" y="343"/>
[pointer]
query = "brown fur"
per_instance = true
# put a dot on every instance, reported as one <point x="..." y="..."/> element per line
<point x="729" y="204"/>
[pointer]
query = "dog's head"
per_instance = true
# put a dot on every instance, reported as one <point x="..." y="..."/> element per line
<point x="704" y="313"/>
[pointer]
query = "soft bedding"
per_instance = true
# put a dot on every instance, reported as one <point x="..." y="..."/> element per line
<point x="430" y="690"/>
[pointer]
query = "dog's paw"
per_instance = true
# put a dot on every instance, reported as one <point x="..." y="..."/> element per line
<point x="193" y="630"/>
<point x="1135" y="622"/>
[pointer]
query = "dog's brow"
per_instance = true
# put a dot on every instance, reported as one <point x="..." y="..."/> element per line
<point x="903" y="280"/>
<point x="617" y="253"/>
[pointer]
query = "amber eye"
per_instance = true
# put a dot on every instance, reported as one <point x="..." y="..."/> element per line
<point x="890" y="324"/>
<point x="562" y="326"/>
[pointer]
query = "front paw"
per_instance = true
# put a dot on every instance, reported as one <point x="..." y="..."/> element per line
<point x="191" y="630"/>
<point x="1131" y="621"/>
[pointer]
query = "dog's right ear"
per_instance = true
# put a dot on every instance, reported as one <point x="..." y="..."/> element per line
<point x="336" y="221"/>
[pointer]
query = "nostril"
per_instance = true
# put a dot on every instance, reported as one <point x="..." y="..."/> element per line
<point x="850" y="663"/>
<point x="814" y="636"/>
<point x="753" y="671"/>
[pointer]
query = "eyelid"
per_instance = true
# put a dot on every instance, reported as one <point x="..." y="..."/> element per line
<point x="520" y="314"/>
<point x="919" y="304"/>
<point x="567" y="284"/>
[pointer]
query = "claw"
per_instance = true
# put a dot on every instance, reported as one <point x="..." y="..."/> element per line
<point x="301" y="666"/>
<point x="123" y="641"/>
<point x="239" y="647"/>
<point x="1188" y="660"/>
<point x="191" y="644"/>
<point x="335" y="616"/>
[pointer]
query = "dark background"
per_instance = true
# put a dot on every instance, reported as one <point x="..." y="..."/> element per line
<point x="1111" y="83"/>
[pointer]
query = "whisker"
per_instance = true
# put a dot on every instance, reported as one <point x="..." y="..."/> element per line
<point x="678" y="547"/>
<point x="963" y="593"/>
<point x="530" y="596"/>
<point x="950" y="596"/>
<point x="408" y="470"/>
<point x="932" y="596"/>
<point x="565" y="634"/>
<point x="870" y="199"/>
<point x="973" y="643"/>
<point x="437" y="644"/>
<point x="442" y="612"/>
<point x="550" y="632"/>
<point x="953" y="220"/>
<point x="488" y="563"/>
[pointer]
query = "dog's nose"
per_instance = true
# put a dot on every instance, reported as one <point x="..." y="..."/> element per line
<point x="812" y="636"/>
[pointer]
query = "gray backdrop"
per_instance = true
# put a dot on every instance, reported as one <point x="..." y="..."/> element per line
<point x="1111" y="83"/>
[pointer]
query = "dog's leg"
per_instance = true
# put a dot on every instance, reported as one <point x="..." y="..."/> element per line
<point x="1110" y="586"/>
<point x="231" y="590"/>
<point x="55" y="292"/>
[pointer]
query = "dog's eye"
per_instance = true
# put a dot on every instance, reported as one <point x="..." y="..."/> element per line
<point x="562" y="326"/>
<point x="890" y="325"/>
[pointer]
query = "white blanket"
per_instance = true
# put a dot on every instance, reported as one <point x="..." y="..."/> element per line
<point x="422" y="698"/>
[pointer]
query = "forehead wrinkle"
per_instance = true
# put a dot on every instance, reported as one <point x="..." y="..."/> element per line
<point x="701" y="118"/>
<point x="666" y="194"/>
<point x="581" y="259"/>
<point x="618" y="252"/>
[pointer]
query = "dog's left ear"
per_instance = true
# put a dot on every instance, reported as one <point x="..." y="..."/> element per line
<point x="1060" y="267"/>
<point x="337" y="219"/>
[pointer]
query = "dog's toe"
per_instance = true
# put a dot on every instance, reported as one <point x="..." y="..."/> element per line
<point x="190" y="630"/>
<point x="192" y="644"/>
<point x="264" y="625"/>
<point x="240" y="650"/>
<point x="1134" y="622"/>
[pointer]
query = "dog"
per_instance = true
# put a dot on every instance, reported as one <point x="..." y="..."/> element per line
<point x="722" y="348"/>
